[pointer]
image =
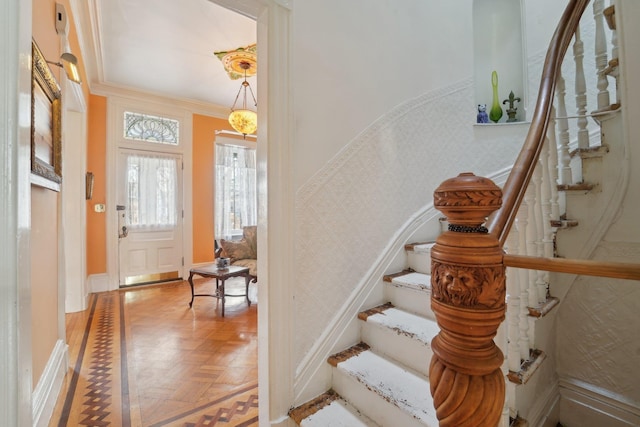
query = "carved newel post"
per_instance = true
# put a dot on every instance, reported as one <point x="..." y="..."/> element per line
<point x="468" y="299"/>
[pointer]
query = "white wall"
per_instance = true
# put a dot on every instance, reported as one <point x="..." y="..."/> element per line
<point x="354" y="61"/>
<point x="628" y="11"/>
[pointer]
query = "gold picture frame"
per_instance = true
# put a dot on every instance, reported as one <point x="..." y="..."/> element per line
<point x="46" y="122"/>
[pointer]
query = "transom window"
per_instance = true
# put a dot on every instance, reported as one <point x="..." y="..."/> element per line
<point x="144" y="127"/>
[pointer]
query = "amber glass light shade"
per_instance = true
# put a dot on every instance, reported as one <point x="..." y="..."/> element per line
<point x="244" y="121"/>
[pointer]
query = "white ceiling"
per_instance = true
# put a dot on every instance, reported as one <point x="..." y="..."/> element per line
<point x="166" y="47"/>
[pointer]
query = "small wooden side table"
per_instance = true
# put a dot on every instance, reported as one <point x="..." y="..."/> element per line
<point x="222" y="274"/>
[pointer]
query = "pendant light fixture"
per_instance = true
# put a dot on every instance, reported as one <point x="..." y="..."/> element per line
<point x="241" y="63"/>
<point x="242" y="119"/>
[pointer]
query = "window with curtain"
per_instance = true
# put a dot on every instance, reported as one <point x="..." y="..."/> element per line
<point x="151" y="191"/>
<point x="235" y="201"/>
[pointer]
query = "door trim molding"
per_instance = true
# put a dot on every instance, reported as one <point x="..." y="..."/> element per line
<point x="15" y="193"/>
<point x="276" y="199"/>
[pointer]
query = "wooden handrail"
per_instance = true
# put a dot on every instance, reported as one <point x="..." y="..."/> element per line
<point x="499" y="224"/>
<point x="615" y="270"/>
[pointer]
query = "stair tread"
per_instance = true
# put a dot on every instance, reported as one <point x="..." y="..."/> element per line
<point x="409" y="324"/>
<point x="420" y="247"/>
<point x="414" y="280"/>
<point x="564" y="223"/>
<point x="337" y="413"/>
<point x="396" y="385"/>
<point x="583" y="186"/>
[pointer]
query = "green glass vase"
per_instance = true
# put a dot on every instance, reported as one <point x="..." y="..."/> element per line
<point x="496" y="110"/>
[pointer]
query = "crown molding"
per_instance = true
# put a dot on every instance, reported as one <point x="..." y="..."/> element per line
<point x="197" y="107"/>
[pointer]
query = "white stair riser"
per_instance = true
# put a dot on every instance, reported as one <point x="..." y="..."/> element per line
<point x="419" y="261"/>
<point x="394" y="345"/>
<point x="583" y="208"/>
<point x="376" y="407"/>
<point x="411" y="300"/>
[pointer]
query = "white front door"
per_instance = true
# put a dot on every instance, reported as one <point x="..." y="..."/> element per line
<point x="149" y="204"/>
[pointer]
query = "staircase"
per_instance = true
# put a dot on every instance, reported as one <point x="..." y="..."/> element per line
<point x="383" y="380"/>
<point x="574" y="189"/>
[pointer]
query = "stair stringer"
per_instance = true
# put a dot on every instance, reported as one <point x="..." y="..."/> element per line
<point x="313" y="375"/>
<point x="604" y="205"/>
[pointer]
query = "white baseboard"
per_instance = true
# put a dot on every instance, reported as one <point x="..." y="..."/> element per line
<point x="544" y="412"/>
<point x="98" y="283"/>
<point x="283" y="422"/>
<point x="589" y="406"/>
<point x="46" y="392"/>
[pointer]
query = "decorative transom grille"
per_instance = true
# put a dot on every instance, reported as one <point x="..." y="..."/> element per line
<point x="143" y="127"/>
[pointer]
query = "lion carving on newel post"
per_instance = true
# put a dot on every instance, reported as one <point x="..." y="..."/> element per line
<point x="468" y="299"/>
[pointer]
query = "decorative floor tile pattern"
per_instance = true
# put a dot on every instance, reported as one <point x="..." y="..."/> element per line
<point x="94" y="400"/>
<point x="235" y="409"/>
<point x="143" y="358"/>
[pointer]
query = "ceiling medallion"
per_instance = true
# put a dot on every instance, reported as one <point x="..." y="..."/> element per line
<point x="235" y="61"/>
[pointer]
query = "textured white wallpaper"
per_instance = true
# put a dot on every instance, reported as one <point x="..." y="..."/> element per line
<point x="598" y="328"/>
<point x="349" y="211"/>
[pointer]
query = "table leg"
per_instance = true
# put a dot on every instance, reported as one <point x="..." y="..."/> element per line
<point x="222" y="297"/>
<point x="247" y="280"/>
<point x="192" y="293"/>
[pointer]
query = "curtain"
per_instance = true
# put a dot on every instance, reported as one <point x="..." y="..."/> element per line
<point x="235" y="200"/>
<point x="151" y="191"/>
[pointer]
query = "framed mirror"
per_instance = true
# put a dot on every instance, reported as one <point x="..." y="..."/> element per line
<point x="46" y="123"/>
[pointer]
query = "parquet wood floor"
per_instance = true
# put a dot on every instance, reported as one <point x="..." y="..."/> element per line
<point x="142" y="357"/>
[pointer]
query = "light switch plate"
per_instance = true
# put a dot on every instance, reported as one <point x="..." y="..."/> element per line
<point x="61" y="19"/>
<point x="99" y="207"/>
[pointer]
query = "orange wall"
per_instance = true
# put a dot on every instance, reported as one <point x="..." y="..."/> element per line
<point x="96" y="163"/>
<point x="204" y="128"/>
<point x="44" y="277"/>
<point x="45" y="207"/>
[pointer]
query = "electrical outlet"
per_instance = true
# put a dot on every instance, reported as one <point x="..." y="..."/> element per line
<point x="99" y="207"/>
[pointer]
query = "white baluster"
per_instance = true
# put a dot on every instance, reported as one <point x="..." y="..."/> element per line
<point x="513" y="306"/>
<point x="523" y="275"/>
<point x="552" y="167"/>
<point x="531" y="249"/>
<point x="614" y="37"/>
<point x="536" y="179"/>
<point x="563" y="131"/>
<point x="545" y="192"/>
<point x="601" y="55"/>
<point x="510" y="397"/>
<point x="614" y="55"/>
<point x="581" y="91"/>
